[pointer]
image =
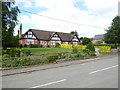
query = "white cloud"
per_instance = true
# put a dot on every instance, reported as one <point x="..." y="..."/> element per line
<point x="25" y="3"/>
<point x="99" y="13"/>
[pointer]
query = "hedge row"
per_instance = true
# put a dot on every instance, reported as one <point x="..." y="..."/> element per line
<point x="103" y="49"/>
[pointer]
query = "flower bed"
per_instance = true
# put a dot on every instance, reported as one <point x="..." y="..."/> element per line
<point x="103" y="49"/>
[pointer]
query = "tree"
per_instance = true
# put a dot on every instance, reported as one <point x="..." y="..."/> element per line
<point x="85" y="40"/>
<point x="15" y="41"/>
<point x="74" y="32"/>
<point x="90" y="46"/>
<point x="113" y="33"/>
<point x="9" y="21"/>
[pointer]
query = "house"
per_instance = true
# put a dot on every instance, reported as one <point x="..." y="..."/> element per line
<point x="98" y="38"/>
<point x="42" y="37"/>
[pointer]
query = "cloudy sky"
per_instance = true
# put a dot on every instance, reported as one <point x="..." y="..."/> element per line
<point x="87" y="17"/>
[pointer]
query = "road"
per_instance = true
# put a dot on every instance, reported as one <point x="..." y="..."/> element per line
<point x="97" y="74"/>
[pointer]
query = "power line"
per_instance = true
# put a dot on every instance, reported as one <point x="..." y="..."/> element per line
<point x="61" y="19"/>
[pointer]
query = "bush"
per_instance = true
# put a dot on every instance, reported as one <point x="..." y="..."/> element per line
<point x="6" y="56"/>
<point x="51" y="58"/>
<point x="33" y="46"/>
<point x="75" y="50"/>
<point x="77" y="55"/>
<point x="25" y="45"/>
<point x="41" y="45"/>
<point x="18" y="53"/>
<point x="57" y="45"/>
<point x="90" y="46"/>
<point x="21" y="46"/>
<point x="12" y="52"/>
<point x="26" y="53"/>
<point x="48" y="46"/>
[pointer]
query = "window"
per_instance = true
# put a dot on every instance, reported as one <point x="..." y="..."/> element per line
<point x="55" y="37"/>
<point x="58" y="42"/>
<point x="65" y="42"/>
<point x="75" y="43"/>
<point x="43" y="42"/>
<point x="52" y="42"/>
<point x="29" y="32"/>
<point x="29" y="41"/>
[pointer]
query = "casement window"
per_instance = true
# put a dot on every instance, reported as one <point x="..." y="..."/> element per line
<point x="58" y="42"/>
<point x="29" y="41"/>
<point x="55" y="37"/>
<point x="65" y="42"/>
<point x="43" y="42"/>
<point x="75" y="43"/>
<point x="52" y="42"/>
<point x="30" y="35"/>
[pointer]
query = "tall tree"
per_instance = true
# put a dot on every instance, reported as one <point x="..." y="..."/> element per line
<point x="9" y="21"/>
<point x="85" y="40"/>
<point x="74" y="32"/>
<point x="113" y="32"/>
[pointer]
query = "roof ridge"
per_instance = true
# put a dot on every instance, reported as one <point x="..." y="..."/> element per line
<point x="50" y="31"/>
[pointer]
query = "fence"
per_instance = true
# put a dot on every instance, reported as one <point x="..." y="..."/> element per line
<point x="40" y="60"/>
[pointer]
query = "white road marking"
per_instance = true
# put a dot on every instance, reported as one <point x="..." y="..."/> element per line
<point x="103" y="69"/>
<point x="49" y="83"/>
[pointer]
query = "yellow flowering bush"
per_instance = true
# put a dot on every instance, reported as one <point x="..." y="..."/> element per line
<point x="104" y="49"/>
<point x="70" y="46"/>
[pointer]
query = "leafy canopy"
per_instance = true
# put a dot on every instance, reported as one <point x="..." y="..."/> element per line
<point x="9" y="21"/>
<point x="113" y="32"/>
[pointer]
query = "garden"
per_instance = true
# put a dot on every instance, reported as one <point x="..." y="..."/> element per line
<point x="19" y="57"/>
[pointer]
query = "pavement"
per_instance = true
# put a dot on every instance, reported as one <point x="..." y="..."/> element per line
<point x="100" y="72"/>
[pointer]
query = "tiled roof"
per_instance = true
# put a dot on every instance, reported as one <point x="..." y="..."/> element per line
<point x="46" y="35"/>
<point x="100" y="36"/>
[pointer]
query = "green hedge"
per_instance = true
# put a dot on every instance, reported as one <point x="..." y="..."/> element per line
<point x="111" y="45"/>
<point x="33" y="46"/>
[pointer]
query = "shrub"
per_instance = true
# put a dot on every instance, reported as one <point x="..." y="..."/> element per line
<point x="21" y="46"/>
<point x="25" y="45"/>
<point x="6" y="56"/>
<point x="75" y="50"/>
<point x="51" y="58"/>
<point x="57" y="45"/>
<point x="48" y="46"/>
<point x="18" y="53"/>
<point x="90" y="46"/>
<point x="26" y="53"/>
<point x="12" y="52"/>
<point x="41" y="45"/>
<point x="77" y="55"/>
<point x="33" y="46"/>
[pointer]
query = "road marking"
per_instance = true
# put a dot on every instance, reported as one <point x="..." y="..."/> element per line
<point x="103" y="69"/>
<point x="49" y="83"/>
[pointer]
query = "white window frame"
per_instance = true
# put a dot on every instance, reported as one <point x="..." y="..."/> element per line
<point x="42" y="42"/>
<point x="75" y="43"/>
<point x="52" y="42"/>
<point x="65" y="42"/>
<point x="55" y="37"/>
<point x="29" y="41"/>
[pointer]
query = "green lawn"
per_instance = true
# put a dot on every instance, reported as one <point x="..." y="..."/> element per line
<point x="46" y="51"/>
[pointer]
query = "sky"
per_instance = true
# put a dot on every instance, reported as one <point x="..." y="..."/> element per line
<point x="88" y="17"/>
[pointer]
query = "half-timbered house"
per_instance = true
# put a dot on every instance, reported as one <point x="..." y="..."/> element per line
<point x="33" y="36"/>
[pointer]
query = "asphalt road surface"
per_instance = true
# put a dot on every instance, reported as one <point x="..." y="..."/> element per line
<point x="97" y="74"/>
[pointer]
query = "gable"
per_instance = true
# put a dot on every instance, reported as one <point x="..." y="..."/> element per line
<point x="29" y="35"/>
<point x="75" y="38"/>
<point x="55" y="37"/>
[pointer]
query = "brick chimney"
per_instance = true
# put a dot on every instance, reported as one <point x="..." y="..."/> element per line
<point x="20" y="33"/>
